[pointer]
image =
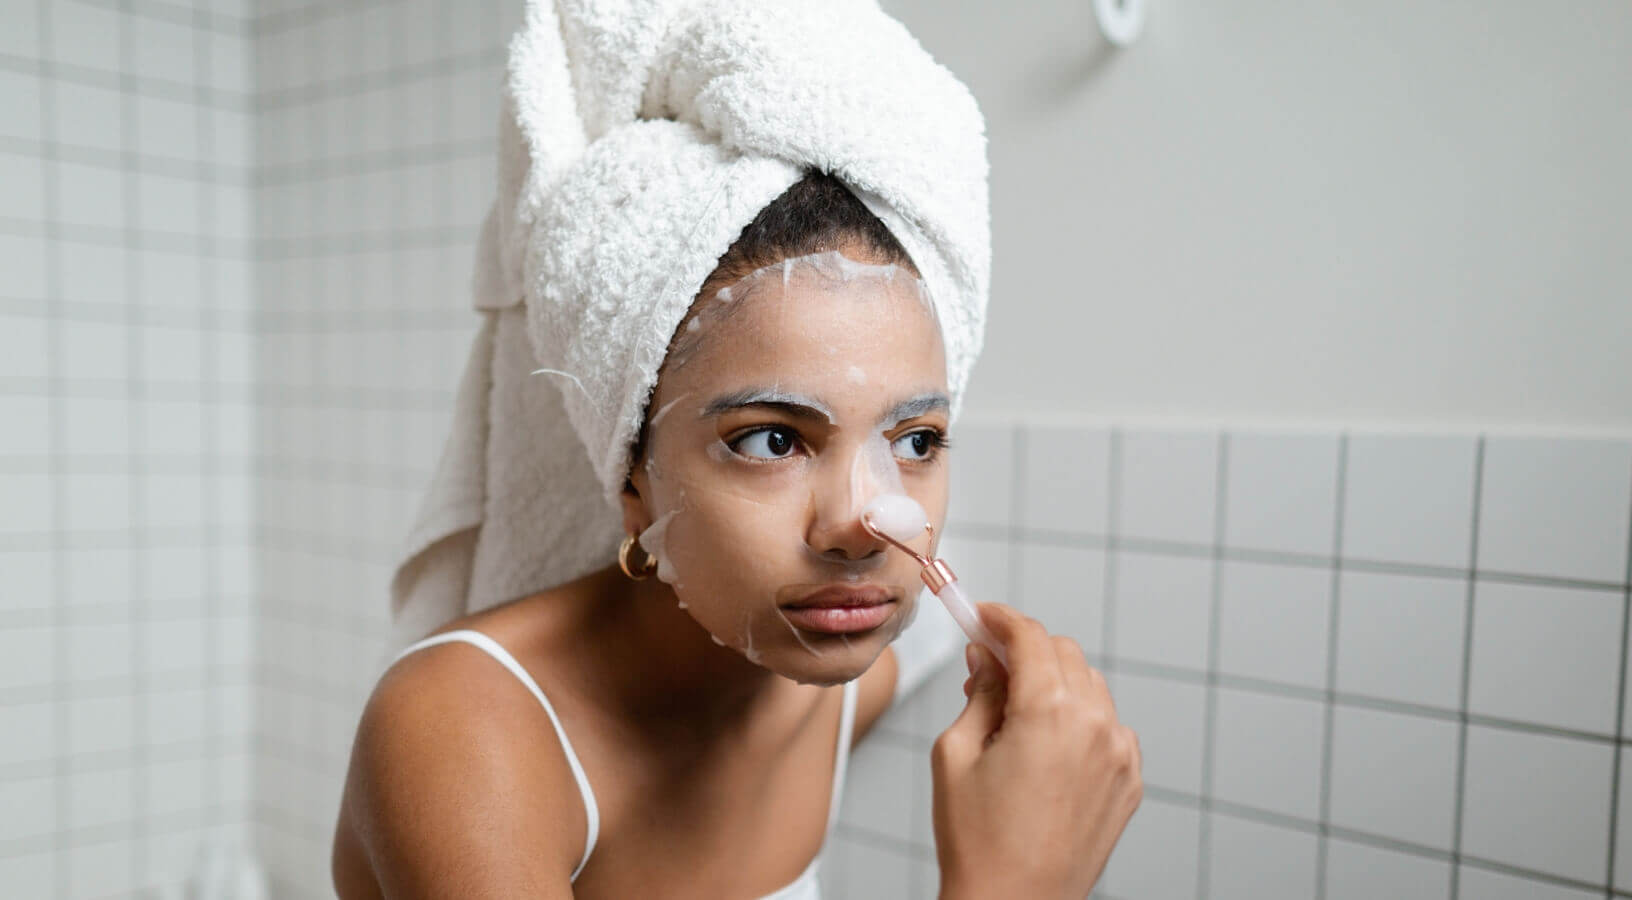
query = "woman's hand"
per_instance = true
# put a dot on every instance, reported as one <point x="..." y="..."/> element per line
<point x="1036" y="779"/>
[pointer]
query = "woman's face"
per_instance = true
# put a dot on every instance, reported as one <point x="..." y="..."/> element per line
<point x="788" y="401"/>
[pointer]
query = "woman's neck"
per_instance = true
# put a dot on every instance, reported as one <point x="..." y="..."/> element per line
<point x="659" y="666"/>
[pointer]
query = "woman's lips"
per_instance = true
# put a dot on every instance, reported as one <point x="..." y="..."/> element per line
<point x="841" y="609"/>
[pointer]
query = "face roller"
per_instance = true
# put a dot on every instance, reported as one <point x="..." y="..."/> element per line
<point x="897" y="519"/>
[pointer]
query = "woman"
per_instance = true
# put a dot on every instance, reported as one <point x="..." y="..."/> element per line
<point x="685" y="735"/>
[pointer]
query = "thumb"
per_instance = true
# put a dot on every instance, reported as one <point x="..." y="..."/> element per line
<point x="967" y="734"/>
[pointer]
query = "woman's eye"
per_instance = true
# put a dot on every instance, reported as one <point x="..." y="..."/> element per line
<point x="918" y="445"/>
<point x="766" y="443"/>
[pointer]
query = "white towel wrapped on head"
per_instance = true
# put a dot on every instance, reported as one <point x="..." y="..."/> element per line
<point x="637" y="140"/>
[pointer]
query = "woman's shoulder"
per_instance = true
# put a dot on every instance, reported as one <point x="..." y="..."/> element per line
<point x="454" y="771"/>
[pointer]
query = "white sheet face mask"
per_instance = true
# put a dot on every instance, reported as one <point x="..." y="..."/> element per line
<point x="789" y="400"/>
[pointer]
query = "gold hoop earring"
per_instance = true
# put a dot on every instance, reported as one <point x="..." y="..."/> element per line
<point x="646" y="570"/>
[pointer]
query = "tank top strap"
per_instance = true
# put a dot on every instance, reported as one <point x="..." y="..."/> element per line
<point x="592" y="812"/>
<point x="841" y="763"/>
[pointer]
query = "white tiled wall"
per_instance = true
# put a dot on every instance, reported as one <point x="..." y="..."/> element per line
<point x="1360" y="665"/>
<point x="125" y="450"/>
<point x="375" y="168"/>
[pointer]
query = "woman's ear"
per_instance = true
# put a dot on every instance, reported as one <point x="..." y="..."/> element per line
<point x="635" y="517"/>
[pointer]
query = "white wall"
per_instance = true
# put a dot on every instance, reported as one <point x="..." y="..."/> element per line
<point x="1378" y="214"/>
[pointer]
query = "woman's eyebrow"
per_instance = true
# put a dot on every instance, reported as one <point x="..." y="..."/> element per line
<point x="796" y="405"/>
<point x="921" y="405"/>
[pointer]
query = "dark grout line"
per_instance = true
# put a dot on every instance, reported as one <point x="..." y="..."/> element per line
<point x="127" y="82"/>
<point x="1620" y="720"/>
<point x="62" y="798"/>
<point x="1467" y="674"/>
<point x="1210" y="715"/>
<point x="1329" y="712"/>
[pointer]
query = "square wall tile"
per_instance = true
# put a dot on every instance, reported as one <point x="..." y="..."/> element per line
<point x="1163" y="609"/>
<point x="28" y="502"/>
<point x="1363" y="872"/>
<point x="1066" y="476"/>
<point x="1064" y="588"/>
<point x="982" y="460"/>
<point x="23" y="343"/>
<point x="1251" y="861"/>
<point x="31" y="807"/>
<point x="1267" y="753"/>
<point x="164" y="50"/>
<point x="982" y="567"/>
<point x="1556" y="507"/>
<point x="27" y="658"/>
<point x="100" y="651"/>
<point x="1273" y="622"/>
<point x="96" y="425"/>
<point x="22" y="258"/>
<point x="30" y="732"/>
<point x="27" y="429"/>
<point x="1488" y="885"/>
<point x="28" y="580"/>
<point x="1169" y="486"/>
<point x="24" y="196"/>
<point x="926" y="880"/>
<point x="1538" y="802"/>
<point x="1394" y="775"/>
<point x="1400" y="637"/>
<point x="177" y="787"/>
<point x="93" y="273"/>
<point x="83" y="34"/>
<point x="168" y="204"/>
<point x="97" y="577"/>
<point x="95" y="351"/>
<point x="88" y="116"/>
<point x="1409" y="499"/>
<point x="1155" y="859"/>
<point x="20" y="97"/>
<point x="100" y="797"/>
<point x="90" y="195"/>
<point x="102" y="869"/>
<point x="871" y="869"/>
<point x="21" y="37"/>
<point x="30" y="874"/>
<point x="174" y="716"/>
<point x="171" y="281"/>
<point x="1170" y="718"/>
<point x="1281" y="492"/>
<point x="101" y="724"/>
<point x="167" y="128"/>
<point x="938" y="700"/>
<point x="878" y="786"/>
<point x="1547" y="655"/>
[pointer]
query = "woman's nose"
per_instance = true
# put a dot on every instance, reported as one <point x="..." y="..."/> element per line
<point x="835" y="528"/>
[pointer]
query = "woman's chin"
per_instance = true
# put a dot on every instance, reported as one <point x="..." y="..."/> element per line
<point x="828" y="661"/>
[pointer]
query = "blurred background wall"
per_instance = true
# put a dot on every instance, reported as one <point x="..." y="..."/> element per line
<point x="128" y="453"/>
<point x="1384" y="213"/>
<point x="1302" y="409"/>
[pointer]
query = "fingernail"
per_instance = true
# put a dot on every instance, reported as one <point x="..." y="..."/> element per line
<point x="971" y="658"/>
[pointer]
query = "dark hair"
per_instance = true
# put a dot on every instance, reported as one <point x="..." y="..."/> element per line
<point x="818" y="213"/>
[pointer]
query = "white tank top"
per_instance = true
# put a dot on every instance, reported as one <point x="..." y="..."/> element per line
<point x="805" y="887"/>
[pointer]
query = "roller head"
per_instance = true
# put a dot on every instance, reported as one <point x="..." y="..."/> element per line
<point x="897" y="516"/>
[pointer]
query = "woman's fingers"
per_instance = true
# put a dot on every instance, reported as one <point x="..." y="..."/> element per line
<point x="1084" y="680"/>
<point x="960" y="744"/>
<point x="1034" y="665"/>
